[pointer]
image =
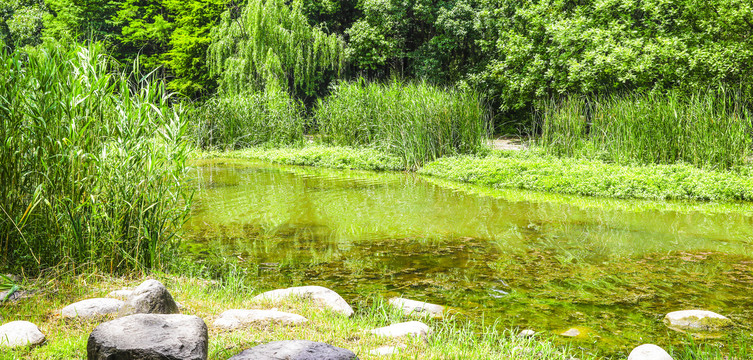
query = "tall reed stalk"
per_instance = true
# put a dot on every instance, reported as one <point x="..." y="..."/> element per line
<point x="707" y="129"/>
<point x="416" y="121"/>
<point x="91" y="162"/>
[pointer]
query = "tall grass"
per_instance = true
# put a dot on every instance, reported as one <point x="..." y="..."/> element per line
<point x="243" y="120"/>
<point x="706" y="129"/>
<point x="91" y="162"/>
<point x="417" y="122"/>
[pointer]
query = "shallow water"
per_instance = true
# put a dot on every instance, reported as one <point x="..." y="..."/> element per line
<point x="612" y="268"/>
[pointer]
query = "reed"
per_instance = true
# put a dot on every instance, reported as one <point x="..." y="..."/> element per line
<point x="269" y="117"/>
<point x="415" y="121"/>
<point x="91" y="162"/>
<point x="707" y="129"/>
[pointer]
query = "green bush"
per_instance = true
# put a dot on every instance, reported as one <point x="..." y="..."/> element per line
<point x="91" y="163"/>
<point x="417" y="122"/>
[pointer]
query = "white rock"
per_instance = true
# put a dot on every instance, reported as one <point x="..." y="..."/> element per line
<point x="237" y="318"/>
<point x="413" y="307"/>
<point x="121" y="294"/>
<point x="649" y="352"/>
<point x="92" y="308"/>
<point x="696" y="320"/>
<point x="413" y="328"/>
<point x="386" y="350"/>
<point x="573" y="332"/>
<point x="20" y="333"/>
<point x="526" y="333"/>
<point x="319" y="295"/>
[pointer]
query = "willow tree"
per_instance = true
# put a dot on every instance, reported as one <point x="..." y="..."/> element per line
<point x="268" y="42"/>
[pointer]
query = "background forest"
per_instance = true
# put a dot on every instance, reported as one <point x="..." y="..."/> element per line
<point x="512" y="51"/>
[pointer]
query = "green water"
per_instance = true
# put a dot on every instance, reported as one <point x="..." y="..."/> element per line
<point x="514" y="259"/>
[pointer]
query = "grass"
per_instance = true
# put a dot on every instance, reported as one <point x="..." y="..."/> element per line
<point x="535" y="171"/>
<point x="239" y="121"/>
<point x="709" y="129"/>
<point x="450" y="339"/>
<point x="336" y="157"/>
<point x="91" y="162"/>
<point x="416" y="122"/>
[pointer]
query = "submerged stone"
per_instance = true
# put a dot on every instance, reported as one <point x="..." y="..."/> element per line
<point x="649" y="352"/>
<point x="420" y="308"/>
<point x="697" y="321"/>
<point x="20" y="333"/>
<point x="319" y="295"/>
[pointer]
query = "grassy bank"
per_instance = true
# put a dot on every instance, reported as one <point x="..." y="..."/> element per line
<point x="533" y="170"/>
<point x="450" y="339"/>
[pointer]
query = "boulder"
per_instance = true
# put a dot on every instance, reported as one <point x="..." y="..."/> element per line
<point x="121" y="294"/>
<point x="319" y="295"/>
<point x="92" y="308"/>
<point x="413" y="307"/>
<point x="151" y="297"/>
<point x="20" y="333"/>
<point x="649" y="352"/>
<point x="149" y="337"/>
<point x="697" y="321"/>
<point x="412" y="328"/>
<point x="233" y="319"/>
<point x="295" y="350"/>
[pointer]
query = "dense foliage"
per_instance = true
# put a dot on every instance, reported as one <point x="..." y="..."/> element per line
<point x="91" y="163"/>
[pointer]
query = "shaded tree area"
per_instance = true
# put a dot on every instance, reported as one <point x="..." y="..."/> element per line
<point x="514" y="51"/>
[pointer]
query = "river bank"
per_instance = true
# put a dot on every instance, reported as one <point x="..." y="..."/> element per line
<point x="530" y="169"/>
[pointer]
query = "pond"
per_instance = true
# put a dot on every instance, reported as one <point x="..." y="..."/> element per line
<point x="611" y="268"/>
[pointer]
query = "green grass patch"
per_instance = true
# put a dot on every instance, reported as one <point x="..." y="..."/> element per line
<point x="337" y="157"/>
<point x="534" y="171"/>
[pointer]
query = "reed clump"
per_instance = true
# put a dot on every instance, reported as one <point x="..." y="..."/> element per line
<point x="415" y="121"/>
<point x="706" y="129"/>
<point x="91" y="162"/>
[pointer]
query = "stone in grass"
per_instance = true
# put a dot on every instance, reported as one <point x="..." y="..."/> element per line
<point x="319" y="295"/>
<point x="20" y="333"/>
<point x="295" y="350"/>
<point x="386" y="350"/>
<point x="238" y="318"/>
<point x="420" y="308"/>
<point x="91" y="308"/>
<point x="528" y="333"/>
<point x="697" y="321"/>
<point x="410" y="328"/>
<point x="649" y="352"/>
<point x="576" y="332"/>
<point x="151" y="297"/>
<point x="121" y="294"/>
<point x="149" y="337"/>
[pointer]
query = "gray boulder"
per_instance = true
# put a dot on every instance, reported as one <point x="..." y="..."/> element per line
<point x="697" y="321"/>
<point x="151" y="297"/>
<point x="90" y="308"/>
<point x="20" y="333"/>
<point x="419" y="308"/>
<point x="318" y="295"/>
<point x="295" y="350"/>
<point x="149" y="337"/>
<point x="238" y="318"/>
<point x="649" y="352"/>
